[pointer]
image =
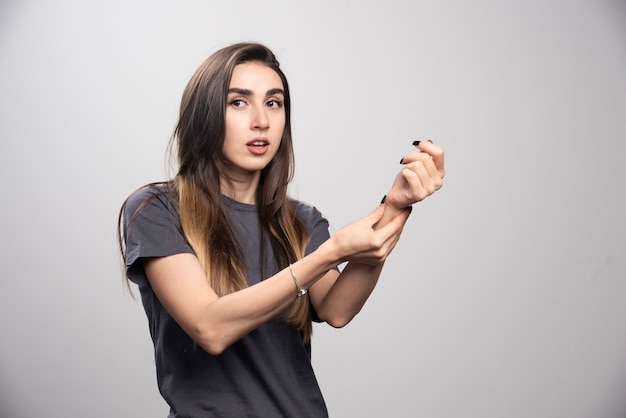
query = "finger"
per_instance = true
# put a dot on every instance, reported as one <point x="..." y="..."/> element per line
<point x="394" y="226"/>
<point x="425" y="158"/>
<point x="375" y="215"/>
<point x="429" y="164"/>
<point x="436" y="154"/>
<point x="427" y="174"/>
<point x="414" y="175"/>
<point x="393" y="241"/>
<point x="415" y="156"/>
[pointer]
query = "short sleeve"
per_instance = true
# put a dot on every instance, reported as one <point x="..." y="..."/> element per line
<point x="152" y="226"/>
<point x="316" y="223"/>
<point x="319" y="231"/>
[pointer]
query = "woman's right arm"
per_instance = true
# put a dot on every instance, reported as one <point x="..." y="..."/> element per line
<point x="215" y="322"/>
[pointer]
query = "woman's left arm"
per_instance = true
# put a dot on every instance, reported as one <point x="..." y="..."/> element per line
<point x="338" y="298"/>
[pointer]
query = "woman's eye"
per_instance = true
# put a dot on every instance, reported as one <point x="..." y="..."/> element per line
<point x="274" y="104"/>
<point x="237" y="103"/>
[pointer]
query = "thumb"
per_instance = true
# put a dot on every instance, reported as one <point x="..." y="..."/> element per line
<point x="375" y="216"/>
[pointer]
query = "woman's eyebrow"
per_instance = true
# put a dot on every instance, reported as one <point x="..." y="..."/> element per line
<point x="272" y="92"/>
<point x="237" y="90"/>
<point x="248" y="92"/>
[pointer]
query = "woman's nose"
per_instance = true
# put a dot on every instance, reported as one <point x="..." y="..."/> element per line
<point x="260" y="120"/>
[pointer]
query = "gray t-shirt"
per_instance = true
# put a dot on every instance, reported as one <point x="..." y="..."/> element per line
<point x="268" y="372"/>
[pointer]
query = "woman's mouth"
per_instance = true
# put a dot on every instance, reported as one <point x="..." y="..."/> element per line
<point x="258" y="146"/>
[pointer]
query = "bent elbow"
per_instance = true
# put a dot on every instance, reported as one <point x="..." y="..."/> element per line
<point x="338" y="321"/>
<point x="211" y="341"/>
<point x="337" y="316"/>
<point x="337" y="324"/>
<point x="213" y="348"/>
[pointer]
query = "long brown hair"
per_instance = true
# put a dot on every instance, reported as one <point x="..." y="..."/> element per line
<point x="199" y="138"/>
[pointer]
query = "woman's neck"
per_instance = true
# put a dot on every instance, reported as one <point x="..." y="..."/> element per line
<point x="240" y="191"/>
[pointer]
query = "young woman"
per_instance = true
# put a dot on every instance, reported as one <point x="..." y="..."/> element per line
<point x="232" y="271"/>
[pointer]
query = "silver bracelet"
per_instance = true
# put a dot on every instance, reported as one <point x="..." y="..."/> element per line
<point x="301" y="291"/>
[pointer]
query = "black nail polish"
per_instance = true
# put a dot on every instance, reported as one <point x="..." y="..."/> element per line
<point x="416" y="143"/>
<point x="384" y="199"/>
<point x="430" y="141"/>
<point x="402" y="160"/>
<point x="410" y="209"/>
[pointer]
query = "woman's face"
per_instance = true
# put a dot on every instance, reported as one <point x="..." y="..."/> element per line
<point x="255" y="120"/>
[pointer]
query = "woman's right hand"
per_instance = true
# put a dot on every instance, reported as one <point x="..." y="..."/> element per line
<point x="362" y="242"/>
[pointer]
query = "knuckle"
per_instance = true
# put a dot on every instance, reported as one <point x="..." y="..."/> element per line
<point x="377" y="244"/>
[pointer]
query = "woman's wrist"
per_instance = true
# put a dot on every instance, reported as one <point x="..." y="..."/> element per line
<point x="393" y="209"/>
<point x="331" y="253"/>
<point x="392" y="205"/>
<point x="390" y="212"/>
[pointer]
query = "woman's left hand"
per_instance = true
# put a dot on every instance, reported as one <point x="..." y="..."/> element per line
<point x="421" y="176"/>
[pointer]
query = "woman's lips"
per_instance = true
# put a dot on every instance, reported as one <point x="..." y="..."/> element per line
<point x="258" y="146"/>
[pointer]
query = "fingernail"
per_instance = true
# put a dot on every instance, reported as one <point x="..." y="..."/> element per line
<point x="384" y="198"/>
<point x="430" y="141"/>
<point x="402" y="160"/>
<point x="410" y="209"/>
<point x="416" y="143"/>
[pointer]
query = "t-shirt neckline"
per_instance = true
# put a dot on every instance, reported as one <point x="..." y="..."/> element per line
<point x="240" y="206"/>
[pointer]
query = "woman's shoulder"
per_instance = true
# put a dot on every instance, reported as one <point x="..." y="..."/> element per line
<point x="150" y="195"/>
<point x="307" y="212"/>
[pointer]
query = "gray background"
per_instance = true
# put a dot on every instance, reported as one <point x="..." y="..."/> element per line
<point x="506" y="296"/>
